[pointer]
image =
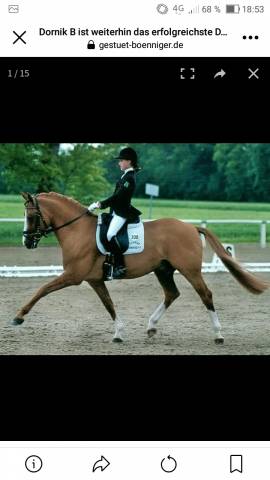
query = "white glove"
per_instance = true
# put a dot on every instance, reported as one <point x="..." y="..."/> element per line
<point x="93" y="206"/>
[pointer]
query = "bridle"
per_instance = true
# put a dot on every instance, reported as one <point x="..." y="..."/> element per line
<point x="41" y="228"/>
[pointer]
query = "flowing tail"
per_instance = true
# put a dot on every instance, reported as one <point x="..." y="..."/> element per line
<point x="247" y="279"/>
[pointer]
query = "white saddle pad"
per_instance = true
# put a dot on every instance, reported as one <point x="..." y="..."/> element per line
<point x="135" y="236"/>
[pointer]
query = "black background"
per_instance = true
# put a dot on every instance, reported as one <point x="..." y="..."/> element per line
<point x="134" y="398"/>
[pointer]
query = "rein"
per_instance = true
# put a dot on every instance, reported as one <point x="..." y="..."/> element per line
<point x="53" y="229"/>
<point x="43" y="232"/>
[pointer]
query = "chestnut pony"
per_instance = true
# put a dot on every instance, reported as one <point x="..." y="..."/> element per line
<point x="169" y="245"/>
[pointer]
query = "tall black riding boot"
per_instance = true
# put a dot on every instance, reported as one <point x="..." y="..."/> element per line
<point x="119" y="269"/>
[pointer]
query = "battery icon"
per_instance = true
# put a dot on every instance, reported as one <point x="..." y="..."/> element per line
<point x="232" y="8"/>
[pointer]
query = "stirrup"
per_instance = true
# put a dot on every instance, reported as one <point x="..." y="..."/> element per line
<point x="119" y="272"/>
<point x="107" y="268"/>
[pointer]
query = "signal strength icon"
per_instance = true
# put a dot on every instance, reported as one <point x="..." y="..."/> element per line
<point x="195" y="9"/>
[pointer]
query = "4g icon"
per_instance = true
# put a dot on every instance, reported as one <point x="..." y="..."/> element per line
<point x="178" y="9"/>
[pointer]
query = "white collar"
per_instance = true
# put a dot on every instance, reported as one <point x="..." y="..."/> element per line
<point x="127" y="170"/>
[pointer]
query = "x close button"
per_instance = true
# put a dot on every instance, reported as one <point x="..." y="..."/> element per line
<point x="19" y="37"/>
<point x="253" y="73"/>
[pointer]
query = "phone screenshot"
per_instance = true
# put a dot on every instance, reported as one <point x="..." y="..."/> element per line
<point x="134" y="239"/>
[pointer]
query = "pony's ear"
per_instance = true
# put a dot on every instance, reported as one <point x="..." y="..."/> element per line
<point x="27" y="196"/>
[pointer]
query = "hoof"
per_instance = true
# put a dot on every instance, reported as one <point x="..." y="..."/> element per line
<point x="117" y="340"/>
<point x="17" y="321"/>
<point x="151" y="332"/>
<point x="219" y="341"/>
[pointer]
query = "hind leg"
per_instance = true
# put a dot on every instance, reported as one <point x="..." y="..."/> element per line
<point x="164" y="274"/>
<point x="201" y="288"/>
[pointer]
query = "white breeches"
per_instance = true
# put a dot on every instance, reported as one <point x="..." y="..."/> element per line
<point x="115" y="225"/>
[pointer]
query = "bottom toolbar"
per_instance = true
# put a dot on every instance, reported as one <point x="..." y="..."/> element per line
<point x="119" y="460"/>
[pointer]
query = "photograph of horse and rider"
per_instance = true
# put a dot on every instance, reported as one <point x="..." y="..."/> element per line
<point x="175" y="220"/>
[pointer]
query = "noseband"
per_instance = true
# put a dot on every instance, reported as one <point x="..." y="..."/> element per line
<point x="41" y="228"/>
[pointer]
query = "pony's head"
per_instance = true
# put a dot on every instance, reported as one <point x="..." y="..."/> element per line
<point x="34" y="223"/>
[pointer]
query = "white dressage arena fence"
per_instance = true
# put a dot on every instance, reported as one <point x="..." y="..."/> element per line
<point x="15" y="272"/>
<point x="56" y="270"/>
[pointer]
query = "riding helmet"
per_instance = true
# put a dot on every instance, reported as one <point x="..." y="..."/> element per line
<point x="129" y="153"/>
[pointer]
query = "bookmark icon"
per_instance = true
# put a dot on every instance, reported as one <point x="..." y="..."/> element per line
<point x="236" y="463"/>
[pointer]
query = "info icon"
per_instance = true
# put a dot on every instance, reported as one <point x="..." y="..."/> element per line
<point x="33" y="464"/>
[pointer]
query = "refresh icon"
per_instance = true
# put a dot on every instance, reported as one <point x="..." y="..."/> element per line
<point x="168" y="464"/>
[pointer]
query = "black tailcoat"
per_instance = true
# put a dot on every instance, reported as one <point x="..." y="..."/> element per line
<point x="120" y="201"/>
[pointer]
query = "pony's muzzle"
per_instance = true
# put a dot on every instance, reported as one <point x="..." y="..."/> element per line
<point x="29" y="242"/>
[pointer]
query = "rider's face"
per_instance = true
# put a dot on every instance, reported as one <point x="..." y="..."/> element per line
<point x="124" y="164"/>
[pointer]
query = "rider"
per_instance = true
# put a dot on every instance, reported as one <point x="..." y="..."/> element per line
<point x="120" y="205"/>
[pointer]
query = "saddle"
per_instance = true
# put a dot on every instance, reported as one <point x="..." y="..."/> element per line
<point x="130" y="238"/>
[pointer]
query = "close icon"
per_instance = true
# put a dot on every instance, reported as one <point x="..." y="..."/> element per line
<point x="253" y="73"/>
<point x="168" y="464"/>
<point x="33" y="464"/>
<point x="19" y="37"/>
<point x="102" y="463"/>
